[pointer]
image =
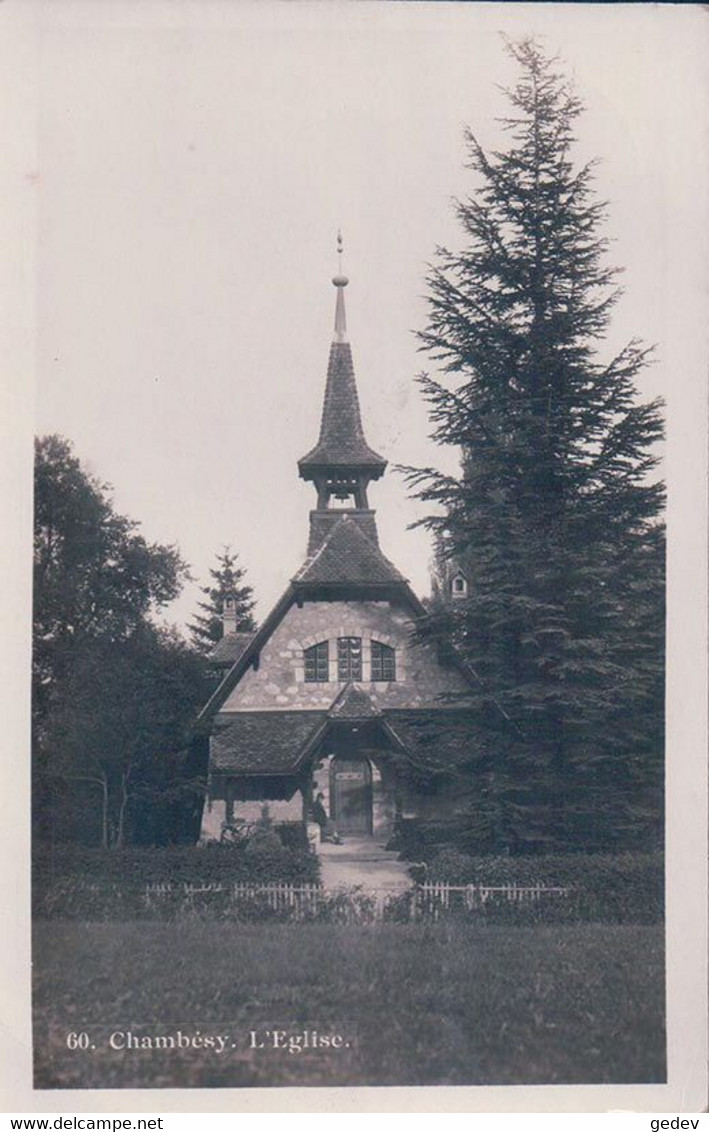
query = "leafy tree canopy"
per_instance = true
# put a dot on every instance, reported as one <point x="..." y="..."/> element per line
<point x="94" y="574"/>
<point x="113" y="694"/>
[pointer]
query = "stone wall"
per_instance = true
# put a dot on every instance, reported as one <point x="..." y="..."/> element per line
<point x="279" y="683"/>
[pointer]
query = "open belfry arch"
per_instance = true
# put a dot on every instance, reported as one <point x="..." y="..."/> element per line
<point x="333" y="695"/>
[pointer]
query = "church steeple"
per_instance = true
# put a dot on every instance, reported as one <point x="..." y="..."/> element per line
<point x="340" y="281"/>
<point x="341" y="465"/>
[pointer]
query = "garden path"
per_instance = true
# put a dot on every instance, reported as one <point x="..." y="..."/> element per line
<point x="360" y="861"/>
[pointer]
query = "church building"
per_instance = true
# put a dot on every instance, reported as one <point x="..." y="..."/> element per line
<point x="335" y="694"/>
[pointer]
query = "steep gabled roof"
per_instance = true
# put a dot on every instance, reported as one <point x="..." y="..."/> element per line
<point x="232" y="677"/>
<point x="353" y="703"/>
<point x="404" y="593"/>
<point x="253" y="648"/>
<point x="348" y="557"/>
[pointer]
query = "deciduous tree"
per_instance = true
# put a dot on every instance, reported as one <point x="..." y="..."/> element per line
<point x="112" y="693"/>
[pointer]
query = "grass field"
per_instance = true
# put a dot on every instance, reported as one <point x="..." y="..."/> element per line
<point x="418" y="1004"/>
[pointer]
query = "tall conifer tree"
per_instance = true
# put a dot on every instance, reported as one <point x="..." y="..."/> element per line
<point x="228" y="580"/>
<point x="554" y="514"/>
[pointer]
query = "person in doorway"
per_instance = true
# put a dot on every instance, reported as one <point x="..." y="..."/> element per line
<point x="327" y="827"/>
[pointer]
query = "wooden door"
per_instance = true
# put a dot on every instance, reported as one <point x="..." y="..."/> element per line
<point x="351" y="794"/>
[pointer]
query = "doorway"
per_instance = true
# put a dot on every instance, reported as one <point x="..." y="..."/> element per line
<point x="351" y="795"/>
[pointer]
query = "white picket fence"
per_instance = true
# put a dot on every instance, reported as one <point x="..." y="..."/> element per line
<point x="431" y="900"/>
<point x="434" y="898"/>
<point x="299" y="901"/>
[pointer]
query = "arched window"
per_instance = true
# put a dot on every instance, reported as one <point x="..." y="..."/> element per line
<point x="383" y="662"/>
<point x="317" y="663"/>
<point x="349" y="658"/>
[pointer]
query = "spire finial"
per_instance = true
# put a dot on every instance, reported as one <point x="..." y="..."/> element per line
<point x="340" y="281"/>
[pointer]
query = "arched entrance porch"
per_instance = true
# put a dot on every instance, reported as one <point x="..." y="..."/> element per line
<point x="351" y="794"/>
<point x="356" y="779"/>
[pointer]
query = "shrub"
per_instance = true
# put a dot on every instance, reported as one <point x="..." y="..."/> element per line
<point x="452" y="866"/>
<point x="292" y="834"/>
<point x="265" y="855"/>
<point x="417" y="839"/>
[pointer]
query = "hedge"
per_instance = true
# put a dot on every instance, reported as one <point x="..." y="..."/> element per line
<point x="623" y="887"/>
<point x="263" y="859"/>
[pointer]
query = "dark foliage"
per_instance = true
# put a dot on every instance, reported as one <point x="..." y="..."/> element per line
<point x="292" y="834"/>
<point x="113" y="694"/>
<point x="263" y="860"/>
<point x="228" y="583"/>
<point x="554" y="517"/>
<point x="627" y="887"/>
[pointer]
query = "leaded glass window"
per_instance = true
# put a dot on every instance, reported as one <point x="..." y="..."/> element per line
<point x="383" y="662"/>
<point x="317" y="663"/>
<point x="349" y="658"/>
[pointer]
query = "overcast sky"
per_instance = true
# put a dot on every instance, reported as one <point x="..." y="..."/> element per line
<point x="195" y="163"/>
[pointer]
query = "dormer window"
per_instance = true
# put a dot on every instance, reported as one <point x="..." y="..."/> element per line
<point x="459" y="586"/>
<point x="317" y="663"/>
<point x="383" y="662"/>
<point x="349" y="658"/>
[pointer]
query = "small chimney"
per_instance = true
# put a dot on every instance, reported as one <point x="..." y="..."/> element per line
<point x="229" y="614"/>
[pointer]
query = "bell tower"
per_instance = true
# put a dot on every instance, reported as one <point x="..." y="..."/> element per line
<point x="341" y="465"/>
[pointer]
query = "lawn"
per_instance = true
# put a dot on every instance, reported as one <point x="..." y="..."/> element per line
<point x="414" y="1004"/>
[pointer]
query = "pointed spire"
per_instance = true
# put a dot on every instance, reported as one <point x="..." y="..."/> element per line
<point x="340" y="281"/>
<point x="341" y="448"/>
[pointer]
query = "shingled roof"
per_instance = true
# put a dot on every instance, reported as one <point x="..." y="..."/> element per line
<point x="353" y="703"/>
<point x="341" y="444"/>
<point x="348" y="557"/>
<point x="276" y="742"/>
<point x="270" y="742"/>
<point x="230" y="648"/>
